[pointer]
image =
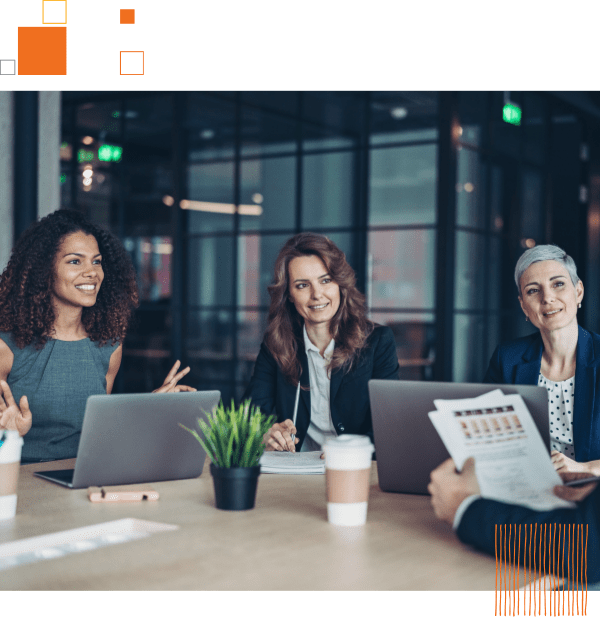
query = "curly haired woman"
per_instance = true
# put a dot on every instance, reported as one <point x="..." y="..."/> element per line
<point x="66" y="299"/>
<point x="320" y="350"/>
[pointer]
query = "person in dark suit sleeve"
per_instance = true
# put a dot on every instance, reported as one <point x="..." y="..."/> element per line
<point x="319" y="349"/>
<point x="455" y="499"/>
<point x="562" y="356"/>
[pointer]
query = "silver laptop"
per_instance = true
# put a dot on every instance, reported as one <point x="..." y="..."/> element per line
<point x="407" y="446"/>
<point x="134" y="438"/>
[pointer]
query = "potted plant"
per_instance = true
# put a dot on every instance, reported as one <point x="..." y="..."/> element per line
<point x="233" y="439"/>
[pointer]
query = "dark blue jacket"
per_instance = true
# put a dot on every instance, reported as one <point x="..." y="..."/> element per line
<point x="477" y="527"/>
<point x="519" y="361"/>
<point x="349" y="394"/>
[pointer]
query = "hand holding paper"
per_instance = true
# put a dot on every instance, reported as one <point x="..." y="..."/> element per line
<point x="449" y="489"/>
<point x="511" y="462"/>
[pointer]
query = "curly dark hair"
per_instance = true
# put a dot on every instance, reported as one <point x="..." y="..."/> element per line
<point x="27" y="282"/>
<point x="350" y="327"/>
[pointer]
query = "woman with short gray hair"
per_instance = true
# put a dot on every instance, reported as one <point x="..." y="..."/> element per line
<point x="561" y="356"/>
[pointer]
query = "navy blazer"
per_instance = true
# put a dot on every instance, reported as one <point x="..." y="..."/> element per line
<point x="349" y="394"/>
<point x="519" y="361"/>
<point x="477" y="527"/>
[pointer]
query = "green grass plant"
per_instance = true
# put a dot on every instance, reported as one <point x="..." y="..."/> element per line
<point x="233" y="436"/>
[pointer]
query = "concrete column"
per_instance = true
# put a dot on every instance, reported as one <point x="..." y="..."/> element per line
<point x="25" y="174"/>
<point x="6" y="176"/>
<point x="49" y="152"/>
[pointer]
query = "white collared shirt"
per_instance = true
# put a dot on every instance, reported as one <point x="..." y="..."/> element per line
<point x="321" y="426"/>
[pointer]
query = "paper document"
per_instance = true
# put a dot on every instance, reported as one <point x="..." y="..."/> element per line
<point x="511" y="461"/>
<point x="292" y="462"/>
<point x="63" y="543"/>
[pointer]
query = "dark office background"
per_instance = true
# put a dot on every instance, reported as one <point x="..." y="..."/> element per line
<point x="432" y="196"/>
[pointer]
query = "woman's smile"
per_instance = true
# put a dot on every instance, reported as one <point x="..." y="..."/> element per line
<point x="552" y="313"/>
<point x="86" y="288"/>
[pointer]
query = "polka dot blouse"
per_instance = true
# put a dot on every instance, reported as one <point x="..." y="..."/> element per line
<point x="560" y="407"/>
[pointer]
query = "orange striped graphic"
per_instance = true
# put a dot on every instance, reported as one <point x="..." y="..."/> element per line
<point x="545" y="577"/>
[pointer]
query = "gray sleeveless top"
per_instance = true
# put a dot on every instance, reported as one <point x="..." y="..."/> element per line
<point x="57" y="380"/>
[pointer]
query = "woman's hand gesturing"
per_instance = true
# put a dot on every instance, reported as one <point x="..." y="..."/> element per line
<point x="170" y="383"/>
<point x="13" y="417"/>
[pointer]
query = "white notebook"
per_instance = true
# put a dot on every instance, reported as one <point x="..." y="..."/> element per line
<point x="292" y="462"/>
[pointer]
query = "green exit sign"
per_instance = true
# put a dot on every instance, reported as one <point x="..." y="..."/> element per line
<point x="511" y="113"/>
<point x="85" y="155"/>
<point x="110" y="153"/>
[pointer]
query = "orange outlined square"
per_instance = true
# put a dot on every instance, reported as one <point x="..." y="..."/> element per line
<point x="42" y="51"/>
<point x="130" y="52"/>
<point x="127" y="16"/>
<point x="63" y="23"/>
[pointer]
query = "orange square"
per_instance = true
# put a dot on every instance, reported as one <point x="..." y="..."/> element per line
<point x="127" y="16"/>
<point x="42" y="51"/>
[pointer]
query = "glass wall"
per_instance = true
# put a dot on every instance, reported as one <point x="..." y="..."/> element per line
<point x="509" y="194"/>
<point x="402" y="217"/>
<point x="205" y="188"/>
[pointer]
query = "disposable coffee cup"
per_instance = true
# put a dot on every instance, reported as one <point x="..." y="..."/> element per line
<point x="10" y="460"/>
<point x="347" y="469"/>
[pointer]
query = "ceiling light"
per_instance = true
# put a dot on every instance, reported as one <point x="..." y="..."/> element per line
<point x="168" y="200"/>
<point x="87" y="140"/>
<point x="527" y="243"/>
<point x="87" y="173"/>
<point x="217" y="208"/>
<point x="469" y="188"/>
<point x="163" y="249"/>
<point x="207" y="206"/>
<point x="398" y="113"/>
<point x="257" y="198"/>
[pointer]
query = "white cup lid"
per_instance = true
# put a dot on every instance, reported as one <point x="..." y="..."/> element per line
<point x="349" y="441"/>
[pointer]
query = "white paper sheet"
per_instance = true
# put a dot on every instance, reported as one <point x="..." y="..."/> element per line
<point x="77" y="540"/>
<point x="488" y="399"/>
<point x="292" y="462"/>
<point x="511" y="461"/>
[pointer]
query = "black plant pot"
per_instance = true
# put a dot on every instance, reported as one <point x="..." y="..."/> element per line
<point x="235" y="487"/>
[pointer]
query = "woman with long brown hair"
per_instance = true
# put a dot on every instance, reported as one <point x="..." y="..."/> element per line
<point x="66" y="299"/>
<point x="319" y="350"/>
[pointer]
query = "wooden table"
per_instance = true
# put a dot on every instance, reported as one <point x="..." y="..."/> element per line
<point x="285" y="542"/>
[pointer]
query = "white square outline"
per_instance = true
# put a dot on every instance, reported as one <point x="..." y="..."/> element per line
<point x="14" y="67"/>
<point x="53" y="10"/>
<point x="121" y="61"/>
